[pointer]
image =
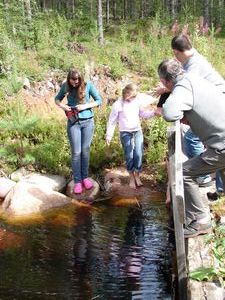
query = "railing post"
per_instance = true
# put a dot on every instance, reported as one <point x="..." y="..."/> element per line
<point x="175" y="174"/>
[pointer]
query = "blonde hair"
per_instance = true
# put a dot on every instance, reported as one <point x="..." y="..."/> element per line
<point x="130" y="90"/>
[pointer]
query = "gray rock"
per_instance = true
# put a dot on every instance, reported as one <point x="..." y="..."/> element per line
<point x="26" y="83"/>
<point x="26" y="198"/>
<point x="5" y="186"/>
<point x="19" y="174"/>
<point x="46" y="181"/>
<point x="88" y="195"/>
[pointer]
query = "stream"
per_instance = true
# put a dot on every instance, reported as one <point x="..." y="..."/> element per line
<point x="103" y="252"/>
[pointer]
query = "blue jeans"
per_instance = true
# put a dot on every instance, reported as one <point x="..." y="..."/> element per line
<point x="193" y="147"/>
<point x="80" y="137"/>
<point x="132" y="143"/>
<point x="219" y="182"/>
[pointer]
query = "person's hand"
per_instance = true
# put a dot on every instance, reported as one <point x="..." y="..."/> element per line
<point x="159" y="90"/>
<point x="65" y="107"/>
<point x="158" y="111"/>
<point x="81" y="107"/>
<point x="184" y="121"/>
<point x="108" y="141"/>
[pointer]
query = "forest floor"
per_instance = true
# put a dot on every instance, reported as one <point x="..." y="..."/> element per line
<point x="39" y="96"/>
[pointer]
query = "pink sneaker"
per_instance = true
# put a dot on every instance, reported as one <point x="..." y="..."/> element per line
<point x="87" y="183"/>
<point x="77" y="188"/>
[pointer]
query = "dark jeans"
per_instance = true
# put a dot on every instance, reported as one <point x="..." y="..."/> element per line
<point x="80" y="137"/>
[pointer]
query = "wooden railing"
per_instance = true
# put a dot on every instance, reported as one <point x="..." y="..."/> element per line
<point x="175" y="175"/>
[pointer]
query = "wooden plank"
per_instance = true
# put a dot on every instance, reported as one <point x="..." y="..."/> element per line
<point x="175" y="174"/>
<point x="199" y="255"/>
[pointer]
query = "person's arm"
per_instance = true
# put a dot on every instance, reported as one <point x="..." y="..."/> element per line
<point x="162" y="99"/>
<point x="147" y="114"/>
<point x="146" y="101"/>
<point x="179" y="101"/>
<point x="158" y="111"/>
<point x="111" y="125"/>
<point x="95" y="95"/>
<point x="59" y="97"/>
<point x="159" y="90"/>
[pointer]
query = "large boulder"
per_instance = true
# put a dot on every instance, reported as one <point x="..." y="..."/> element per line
<point x="5" y="186"/>
<point x="26" y="198"/>
<point x="19" y="174"/>
<point x="46" y="181"/>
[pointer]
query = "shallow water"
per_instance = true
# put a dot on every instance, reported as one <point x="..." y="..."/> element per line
<point x="101" y="252"/>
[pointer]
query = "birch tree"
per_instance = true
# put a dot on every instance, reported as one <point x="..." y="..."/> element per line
<point x="173" y="8"/>
<point x="27" y="7"/>
<point x="107" y="11"/>
<point x="100" y="23"/>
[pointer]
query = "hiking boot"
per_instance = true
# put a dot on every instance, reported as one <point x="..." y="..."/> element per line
<point x="194" y="229"/>
<point x="213" y="196"/>
<point x="77" y="188"/>
<point x="87" y="183"/>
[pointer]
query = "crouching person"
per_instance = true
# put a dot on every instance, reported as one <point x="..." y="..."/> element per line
<point x="203" y="106"/>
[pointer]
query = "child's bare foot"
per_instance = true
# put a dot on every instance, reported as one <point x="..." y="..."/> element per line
<point x="132" y="183"/>
<point x="138" y="180"/>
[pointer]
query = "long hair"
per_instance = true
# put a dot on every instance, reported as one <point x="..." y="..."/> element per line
<point x="130" y="90"/>
<point x="73" y="73"/>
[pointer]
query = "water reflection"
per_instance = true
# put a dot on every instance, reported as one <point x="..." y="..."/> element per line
<point x="104" y="253"/>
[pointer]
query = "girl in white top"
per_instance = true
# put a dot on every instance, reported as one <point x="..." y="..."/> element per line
<point x="127" y="112"/>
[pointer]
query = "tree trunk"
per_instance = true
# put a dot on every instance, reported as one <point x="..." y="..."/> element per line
<point x="100" y="23"/>
<point x="43" y="5"/>
<point x="206" y="12"/>
<point x="70" y="8"/>
<point x="6" y="11"/>
<point x="59" y="5"/>
<point x="131" y="8"/>
<point x="125" y="9"/>
<point x="107" y="11"/>
<point x="114" y="9"/>
<point x="173" y="8"/>
<point x="211" y="10"/>
<point x="142" y="9"/>
<point x="179" y="5"/>
<point x="27" y="7"/>
<point x="221" y="11"/>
